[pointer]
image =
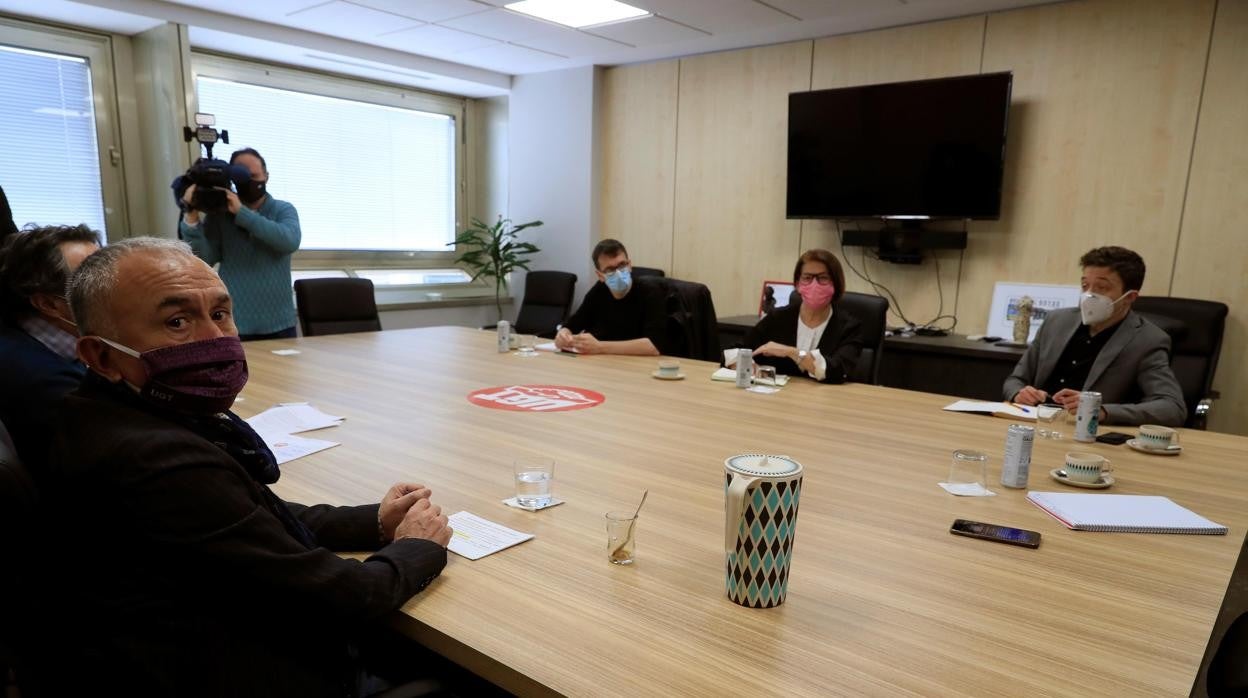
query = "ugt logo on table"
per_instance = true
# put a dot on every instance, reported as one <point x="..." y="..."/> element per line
<point x="535" y="398"/>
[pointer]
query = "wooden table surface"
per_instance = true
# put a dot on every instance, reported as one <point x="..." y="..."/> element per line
<point x="882" y="599"/>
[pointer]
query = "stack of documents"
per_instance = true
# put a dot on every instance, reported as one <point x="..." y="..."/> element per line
<point x="277" y="426"/>
<point x="1009" y="410"/>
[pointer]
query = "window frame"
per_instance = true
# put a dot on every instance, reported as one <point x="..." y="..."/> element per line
<point x="308" y="81"/>
<point x="97" y="50"/>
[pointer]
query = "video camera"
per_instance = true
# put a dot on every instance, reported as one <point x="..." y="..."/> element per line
<point x="207" y="173"/>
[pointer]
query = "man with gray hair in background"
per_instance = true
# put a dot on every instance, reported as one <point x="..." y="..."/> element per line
<point x="214" y="585"/>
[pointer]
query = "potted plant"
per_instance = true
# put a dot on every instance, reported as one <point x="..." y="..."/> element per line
<point x="493" y="251"/>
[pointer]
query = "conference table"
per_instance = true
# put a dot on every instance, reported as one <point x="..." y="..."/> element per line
<point x="882" y="600"/>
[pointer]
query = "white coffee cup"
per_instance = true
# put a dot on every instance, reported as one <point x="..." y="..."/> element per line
<point x="669" y="368"/>
<point x="1158" y="437"/>
<point x="1085" y="467"/>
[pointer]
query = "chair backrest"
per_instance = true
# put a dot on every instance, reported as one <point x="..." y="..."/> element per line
<point x="547" y="301"/>
<point x="872" y="312"/>
<point x="691" y="315"/>
<point x="648" y="271"/>
<point x="336" y="306"/>
<point x="1195" y="346"/>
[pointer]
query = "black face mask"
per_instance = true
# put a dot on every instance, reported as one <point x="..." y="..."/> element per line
<point x="253" y="192"/>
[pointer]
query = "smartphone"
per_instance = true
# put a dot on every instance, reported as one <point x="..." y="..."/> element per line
<point x="1001" y="534"/>
<point x="1116" y="438"/>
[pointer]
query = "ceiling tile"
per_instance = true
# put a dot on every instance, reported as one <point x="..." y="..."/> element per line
<point x="518" y="29"/>
<point x="349" y="21"/>
<point x="425" y="10"/>
<point x="268" y="11"/>
<point x="815" y="9"/>
<point x="433" y="40"/>
<point x="508" y="58"/>
<point x="718" y="16"/>
<point x="647" y="31"/>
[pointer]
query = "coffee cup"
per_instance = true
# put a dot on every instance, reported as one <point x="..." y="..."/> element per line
<point x="1157" y="437"/>
<point x="669" y="368"/>
<point x="1085" y="467"/>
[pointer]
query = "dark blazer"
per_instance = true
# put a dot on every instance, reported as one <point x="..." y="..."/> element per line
<point x="840" y="345"/>
<point x="33" y="379"/>
<point x="176" y="579"/>
<point x="1132" y="372"/>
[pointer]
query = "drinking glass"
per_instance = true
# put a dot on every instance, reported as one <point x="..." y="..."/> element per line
<point x="968" y="472"/>
<point x="534" y="477"/>
<point x="621" y="538"/>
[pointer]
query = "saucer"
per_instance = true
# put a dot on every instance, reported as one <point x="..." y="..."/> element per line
<point x="1105" y="481"/>
<point x="677" y="377"/>
<point x="1171" y="451"/>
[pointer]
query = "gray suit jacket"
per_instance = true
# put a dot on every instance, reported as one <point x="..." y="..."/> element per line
<point x="1132" y="372"/>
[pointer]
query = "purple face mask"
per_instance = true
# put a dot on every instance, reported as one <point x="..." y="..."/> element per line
<point x="202" y="377"/>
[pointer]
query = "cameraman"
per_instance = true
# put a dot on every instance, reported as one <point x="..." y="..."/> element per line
<point x="252" y="241"/>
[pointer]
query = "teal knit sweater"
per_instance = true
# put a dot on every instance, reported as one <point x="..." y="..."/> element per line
<point x="253" y="249"/>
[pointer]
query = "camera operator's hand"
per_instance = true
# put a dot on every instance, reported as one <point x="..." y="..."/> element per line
<point x="191" y="215"/>
<point x="232" y="201"/>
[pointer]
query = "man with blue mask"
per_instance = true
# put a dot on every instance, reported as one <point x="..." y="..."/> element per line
<point x="203" y="581"/>
<point x="620" y="314"/>
<point x="1105" y="347"/>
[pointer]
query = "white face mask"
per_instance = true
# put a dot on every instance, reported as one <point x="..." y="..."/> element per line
<point x="1096" y="308"/>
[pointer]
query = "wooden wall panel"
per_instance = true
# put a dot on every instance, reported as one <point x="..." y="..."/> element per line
<point x="1100" y="137"/>
<point x="1212" y="258"/>
<point x="938" y="49"/>
<point x="638" y="137"/>
<point x="730" y="229"/>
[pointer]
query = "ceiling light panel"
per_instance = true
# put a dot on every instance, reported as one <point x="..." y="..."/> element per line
<point x="578" y="13"/>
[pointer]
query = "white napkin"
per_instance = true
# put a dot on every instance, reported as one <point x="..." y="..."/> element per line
<point x="967" y="489"/>
<point x="513" y="502"/>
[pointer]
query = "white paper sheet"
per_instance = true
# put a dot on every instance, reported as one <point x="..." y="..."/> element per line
<point x="287" y="448"/>
<point x="291" y="418"/>
<point x="1005" y="409"/>
<point x="550" y="346"/>
<point x="286" y="352"/>
<point x="475" y="537"/>
<point x="967" y="489"/>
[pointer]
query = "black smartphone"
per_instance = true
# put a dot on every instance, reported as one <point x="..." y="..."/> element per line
<point x="1116" y="438"/>
<point x="1001" y="534"/>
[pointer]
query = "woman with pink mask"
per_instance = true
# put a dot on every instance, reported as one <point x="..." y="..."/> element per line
<point x="813" y="338"/>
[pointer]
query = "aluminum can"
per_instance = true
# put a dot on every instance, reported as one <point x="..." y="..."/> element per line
<point x="1016" y="465"/>
<point x="1087" y="417"/>
<point x="745" y="368"/>
<point x="504" y="336"/>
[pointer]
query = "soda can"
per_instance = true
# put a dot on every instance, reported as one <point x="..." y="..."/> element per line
<point x="1016" y="466"/>
<point x="745" y="368"/>
<point x="504" y="336"/>
<point x="1087" y="417"/>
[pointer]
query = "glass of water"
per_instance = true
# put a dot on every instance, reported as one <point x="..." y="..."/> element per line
<point x="534" y="477"/>
<point x="1049" y="421"/>
<point x="528" y="345"/>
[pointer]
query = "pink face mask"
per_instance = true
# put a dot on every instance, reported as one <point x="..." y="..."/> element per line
<point x="202" y="377"/>
<point x="815" y="295"/>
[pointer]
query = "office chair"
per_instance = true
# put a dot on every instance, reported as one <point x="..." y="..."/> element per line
<point x="691" y="318"/>
<point x="18" y="507"/>
<point x="547" y="301"/>
<point x="1224" y="668"/>
<point x="647" y="271"/>
<point x="871" y="311"/>
<point x="1195" y="346"/>
<point x="336" y="306"/>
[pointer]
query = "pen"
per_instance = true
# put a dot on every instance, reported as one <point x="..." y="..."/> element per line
<point x="1024" y="408"/>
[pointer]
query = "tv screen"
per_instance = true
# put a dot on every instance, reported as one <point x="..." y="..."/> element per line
<point x="927" y="149"/>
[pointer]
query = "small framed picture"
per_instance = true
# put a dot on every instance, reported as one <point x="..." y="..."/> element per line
<point x="775" y="295"/>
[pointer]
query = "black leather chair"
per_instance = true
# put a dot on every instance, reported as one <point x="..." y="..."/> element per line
<point x="871" y="311"/>
<point x="1224" y="668"/>
<point x="18" y="502"/>
<point x="648" y="271"/>
<point x="691" y="318"/>
<point x="1195" y="328"/>
<point x="336" y="306"/>
<point x="547" y="301"/>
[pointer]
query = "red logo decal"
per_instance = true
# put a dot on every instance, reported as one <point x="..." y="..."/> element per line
<point x="535" y="398"/>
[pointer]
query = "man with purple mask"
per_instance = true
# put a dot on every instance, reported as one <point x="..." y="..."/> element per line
<point x="813" y="338"/>
<point x="199" y="579"/>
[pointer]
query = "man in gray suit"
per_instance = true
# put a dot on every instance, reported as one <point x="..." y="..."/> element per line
<point x="1104" y="347"/>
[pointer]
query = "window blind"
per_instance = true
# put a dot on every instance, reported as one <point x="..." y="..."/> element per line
<point x="49" y="159"/>
<point x="363" y="176"/>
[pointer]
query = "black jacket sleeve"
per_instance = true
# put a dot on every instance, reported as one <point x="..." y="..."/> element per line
<point x="584" y="315"/>
<point x="841" y="349"/>
<point x="341" y="528"/>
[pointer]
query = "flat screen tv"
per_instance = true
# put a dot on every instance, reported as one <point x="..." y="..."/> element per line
<point x="922" y="149"/>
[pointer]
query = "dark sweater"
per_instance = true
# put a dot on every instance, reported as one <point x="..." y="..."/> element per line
<point x="641" y="313"/>
<point x="177" y="578"/>
<point x="33" y="379"/>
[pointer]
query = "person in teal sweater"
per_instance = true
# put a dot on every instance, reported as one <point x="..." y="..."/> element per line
<point x="253" y="244"/>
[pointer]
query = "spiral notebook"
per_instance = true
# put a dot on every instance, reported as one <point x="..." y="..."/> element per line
<point x="1124" y="513"/>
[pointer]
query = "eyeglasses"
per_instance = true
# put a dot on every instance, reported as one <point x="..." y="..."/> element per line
<point x="821" y="279"/>
<point x="611" y="270"/>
